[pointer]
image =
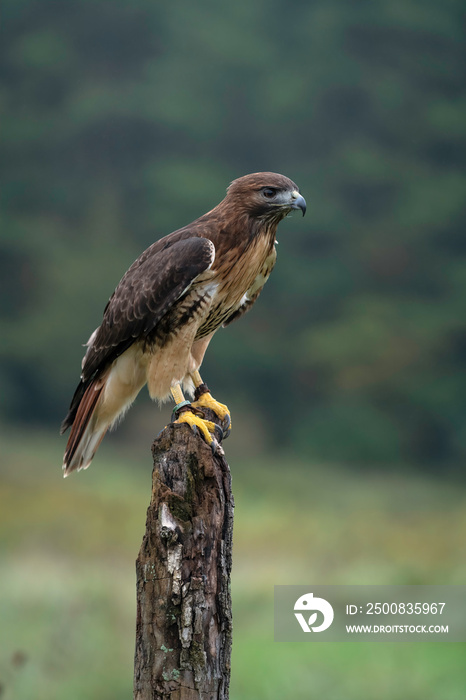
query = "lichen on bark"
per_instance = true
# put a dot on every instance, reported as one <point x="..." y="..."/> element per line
<point x="184" y="625"/>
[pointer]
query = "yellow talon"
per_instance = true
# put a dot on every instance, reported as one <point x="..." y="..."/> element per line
<point x="206" y="428"/>
<point x="206" y="400"/>
<point x="195" y="422"/>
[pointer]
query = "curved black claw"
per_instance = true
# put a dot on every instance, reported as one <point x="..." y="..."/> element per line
<point x="226" y="426"/>
<point x="219" y="434"/>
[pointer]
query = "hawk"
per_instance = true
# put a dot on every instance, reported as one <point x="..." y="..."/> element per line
<point x="161" y="317"/>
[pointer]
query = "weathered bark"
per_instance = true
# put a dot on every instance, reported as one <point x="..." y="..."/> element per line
<point x="184" y="626"/>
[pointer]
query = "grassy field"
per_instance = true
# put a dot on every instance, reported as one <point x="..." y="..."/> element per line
<point x="68" y="547"/>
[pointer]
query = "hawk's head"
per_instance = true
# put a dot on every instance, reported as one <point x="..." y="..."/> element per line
<point x="266" y="195"/>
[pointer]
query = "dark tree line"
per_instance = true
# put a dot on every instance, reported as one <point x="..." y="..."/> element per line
<point x="125" y="120"/>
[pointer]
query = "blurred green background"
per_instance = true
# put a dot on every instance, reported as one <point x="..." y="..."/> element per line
<point x="122" y="121"/>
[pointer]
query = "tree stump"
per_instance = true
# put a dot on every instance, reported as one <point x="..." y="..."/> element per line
<point x="184" y="622"/>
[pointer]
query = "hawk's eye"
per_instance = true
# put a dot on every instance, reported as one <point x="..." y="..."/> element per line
<point x="269" y="192"/>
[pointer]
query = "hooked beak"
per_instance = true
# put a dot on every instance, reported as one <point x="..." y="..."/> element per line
<point x="299" y="202"/>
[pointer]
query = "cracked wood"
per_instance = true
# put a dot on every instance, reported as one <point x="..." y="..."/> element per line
<point x="184" y="624"/>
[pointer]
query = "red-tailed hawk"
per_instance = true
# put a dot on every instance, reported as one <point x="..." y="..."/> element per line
<point x="160" y="319"/>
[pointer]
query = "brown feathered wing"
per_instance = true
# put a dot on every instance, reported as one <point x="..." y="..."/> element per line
<point x="147" y="293"/>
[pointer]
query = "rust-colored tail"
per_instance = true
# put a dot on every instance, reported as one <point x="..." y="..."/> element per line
<point x="85" y="437"/>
